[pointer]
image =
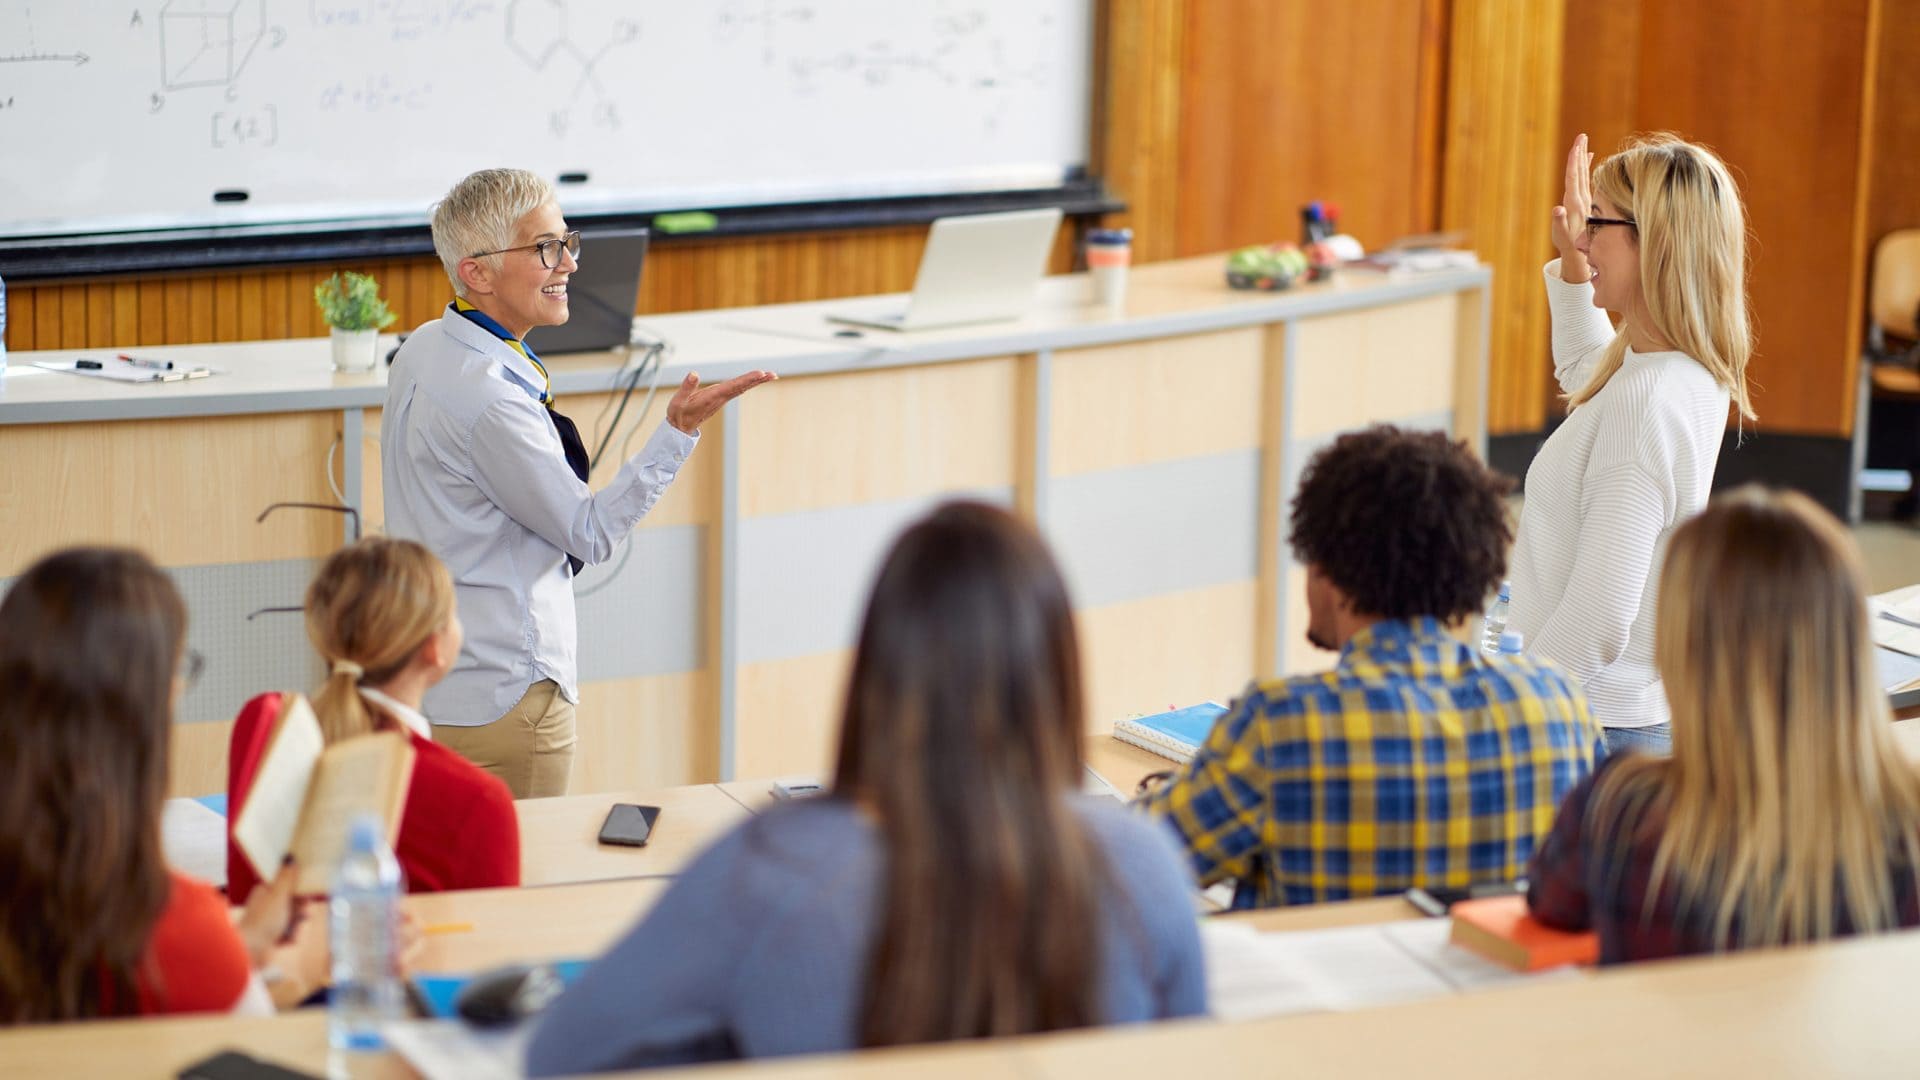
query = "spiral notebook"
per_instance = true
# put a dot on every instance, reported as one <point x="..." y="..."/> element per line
<point x="1175" y="735"/>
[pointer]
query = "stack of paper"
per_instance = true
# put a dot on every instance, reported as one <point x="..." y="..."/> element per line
<point x="1896" y="629"/>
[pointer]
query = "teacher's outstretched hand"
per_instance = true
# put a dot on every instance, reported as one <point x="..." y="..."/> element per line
<point x="1570" y="217"/>
<point x="693" y="404"/>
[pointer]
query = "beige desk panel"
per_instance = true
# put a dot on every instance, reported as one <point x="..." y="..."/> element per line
<point x="1144" y="655"/>
<point x="174" y="488"/>
<point x="559" y="837"/>
<point x="788" y="719"/>
<point x="475" y="929"/>
<point x="1470" y="380"/>
<point x="1123" y="405"/>
<point x="646" y="732"/>
<point x="1352" y="369"/>
<point x="837" y="440"/>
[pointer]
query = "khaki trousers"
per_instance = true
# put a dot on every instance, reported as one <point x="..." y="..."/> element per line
<point x="531" y="747"/>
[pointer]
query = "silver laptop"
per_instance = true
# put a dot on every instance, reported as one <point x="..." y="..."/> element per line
<point x="976" y="269"/>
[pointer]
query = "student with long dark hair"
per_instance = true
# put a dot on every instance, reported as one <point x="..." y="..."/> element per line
<point x="92" y="921"/>
<point x="952" y="886"/>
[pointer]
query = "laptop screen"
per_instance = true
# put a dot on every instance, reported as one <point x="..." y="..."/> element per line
<point x="601" y="294"/>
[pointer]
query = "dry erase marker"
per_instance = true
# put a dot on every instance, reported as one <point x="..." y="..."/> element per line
<point x="157" y="365"/>
<point x="87" y="365"/>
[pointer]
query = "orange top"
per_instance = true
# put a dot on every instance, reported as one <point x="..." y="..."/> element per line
<point x="195" y="961"/>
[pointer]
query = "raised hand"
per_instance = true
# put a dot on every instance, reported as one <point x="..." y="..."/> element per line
<point x="1570" y="217"/>
<point x="693" y="404"/>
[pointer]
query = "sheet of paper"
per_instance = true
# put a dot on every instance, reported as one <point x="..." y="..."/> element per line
<point x="265" y="828"/>
<point x="1896" y="620"/>
<point x="1427" y="940"/>
<point x="195" y="840"/>
<point x="450" y="1050"/>
<point x="1253" y="974"/>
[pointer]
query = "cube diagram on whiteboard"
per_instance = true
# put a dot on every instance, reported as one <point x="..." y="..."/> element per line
<point x="207" y="42"/>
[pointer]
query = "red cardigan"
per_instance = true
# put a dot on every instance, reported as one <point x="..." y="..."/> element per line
<point x="195" y="960"/>
<point x="458" y="830"/>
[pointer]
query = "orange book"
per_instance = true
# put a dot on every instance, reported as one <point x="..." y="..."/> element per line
<point x="1500" y="929"/>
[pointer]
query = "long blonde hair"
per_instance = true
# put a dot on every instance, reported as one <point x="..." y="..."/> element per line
<point x="1692" y="234"/>
<point x="373" y="605"/>
<point x="1787" y="801"/>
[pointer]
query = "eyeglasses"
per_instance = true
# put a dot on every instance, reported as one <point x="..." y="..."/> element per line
<point x="549" y="249"/>
<point x="191" y="665"/>
<point x="1594" y="224"/>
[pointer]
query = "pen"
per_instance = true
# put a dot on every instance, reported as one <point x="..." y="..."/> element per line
<point x="157" y="365"/>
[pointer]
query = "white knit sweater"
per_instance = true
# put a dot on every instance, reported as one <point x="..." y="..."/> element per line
<point x="1602" y="496"/>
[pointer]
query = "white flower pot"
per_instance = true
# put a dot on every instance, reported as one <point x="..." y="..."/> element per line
<point x="355" y="351"/>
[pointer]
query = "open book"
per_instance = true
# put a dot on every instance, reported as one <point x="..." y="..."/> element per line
<point x="306" y="794"/>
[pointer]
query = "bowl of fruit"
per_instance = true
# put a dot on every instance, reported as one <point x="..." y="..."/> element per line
<point x="1275" y="266"/>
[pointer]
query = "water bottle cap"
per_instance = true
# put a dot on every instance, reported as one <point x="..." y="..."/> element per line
<point x="366" y="833"/>
<point x="1506" y="590"/>
<point x="1511" y="642"/>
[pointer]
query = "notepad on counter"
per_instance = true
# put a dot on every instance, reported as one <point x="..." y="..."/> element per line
<point x="1175" y="735"/>
<point x="119" y="370"/>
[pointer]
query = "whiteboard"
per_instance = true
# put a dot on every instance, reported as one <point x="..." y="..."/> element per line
<point x="131" y="115"/>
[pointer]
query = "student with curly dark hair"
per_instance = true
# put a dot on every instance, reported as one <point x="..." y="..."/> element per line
<point x="1415" y="761"/>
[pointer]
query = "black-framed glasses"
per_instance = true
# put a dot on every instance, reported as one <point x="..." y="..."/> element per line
<point x="1595" y="224"/>
<point x="191" y="667"/>
<point x="549" y="249"/>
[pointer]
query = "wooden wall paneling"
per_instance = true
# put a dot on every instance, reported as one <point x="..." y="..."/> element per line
<point x="1600" y="97"/>
<point x="1139" y="58"/>
<point x="1893" y="199"/>
<point x="1787" y="116"/>
<point x="73" y="313"/>
<point x="1500" y="179"/>
<point x="1284" y="103"/>
<point x="46" y="320"/>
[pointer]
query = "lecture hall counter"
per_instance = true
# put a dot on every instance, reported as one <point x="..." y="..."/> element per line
<point x="1156" y="448"/>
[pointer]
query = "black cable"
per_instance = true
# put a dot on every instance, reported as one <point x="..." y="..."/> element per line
<point x="647" y="360"/>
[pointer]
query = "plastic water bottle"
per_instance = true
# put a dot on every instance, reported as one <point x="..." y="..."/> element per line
<point x="367" y="989"/>
<point x="1511" y="643"/>
<point x="1495" y="623"/>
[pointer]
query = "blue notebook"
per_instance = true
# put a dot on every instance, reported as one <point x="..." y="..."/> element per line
<point x="1173" y="735"/>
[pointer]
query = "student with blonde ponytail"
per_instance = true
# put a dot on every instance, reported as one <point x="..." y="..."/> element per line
<point x="1659" y="240"/>
<point x="1787" y="813"/>
<point x="381" y="614"/>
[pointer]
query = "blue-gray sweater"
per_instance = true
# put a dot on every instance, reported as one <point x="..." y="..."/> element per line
<point x="762" y="946"/>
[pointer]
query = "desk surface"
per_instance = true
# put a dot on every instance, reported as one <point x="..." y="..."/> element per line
<point x="475" y="929"/>
<point x="560" y="837"/>
<point x="1164" y="299"/>
<point x="1839" y="1009"/>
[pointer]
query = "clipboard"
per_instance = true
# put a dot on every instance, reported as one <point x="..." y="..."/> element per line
<point x="120" y="371"/>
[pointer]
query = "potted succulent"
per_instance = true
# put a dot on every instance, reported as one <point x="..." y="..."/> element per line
<point x="351" y="304"/>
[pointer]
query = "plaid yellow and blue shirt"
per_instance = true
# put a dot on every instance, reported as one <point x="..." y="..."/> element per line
<point x="1415" y="761"/>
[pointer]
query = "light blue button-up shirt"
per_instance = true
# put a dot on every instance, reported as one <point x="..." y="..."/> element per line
<point x="473" y="469"/>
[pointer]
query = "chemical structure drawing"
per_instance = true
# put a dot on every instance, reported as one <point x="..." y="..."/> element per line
<point x="540" y="34"/>
<point x="208" y="42"/>
<point x="966" y="50"/>
<point x="765" y="18"/>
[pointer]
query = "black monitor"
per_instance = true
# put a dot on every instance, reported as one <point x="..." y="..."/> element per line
<point x="601" y="294"/>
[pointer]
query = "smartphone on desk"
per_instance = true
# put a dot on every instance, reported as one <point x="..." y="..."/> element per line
<point x="629" y="825"/>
